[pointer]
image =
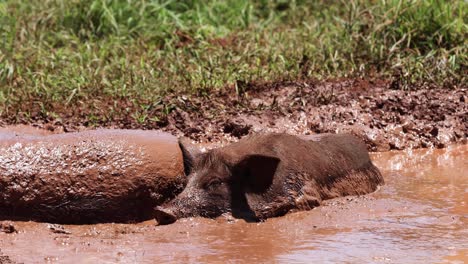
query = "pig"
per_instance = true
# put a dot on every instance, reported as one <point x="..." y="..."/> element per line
<point x="268" y="175"/>
<point x="104" y="175"/>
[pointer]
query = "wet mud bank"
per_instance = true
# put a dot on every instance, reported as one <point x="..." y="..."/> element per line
<point x="385" y="117"/>
<point x="419" y="216"/>
<point x="87" y="177"/>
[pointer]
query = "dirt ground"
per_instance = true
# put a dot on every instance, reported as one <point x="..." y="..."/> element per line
<point x="385" y="118"/>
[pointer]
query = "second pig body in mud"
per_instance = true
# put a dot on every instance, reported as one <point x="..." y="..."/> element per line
<point x="268" y="175"/>
<point x="88" y="177"/>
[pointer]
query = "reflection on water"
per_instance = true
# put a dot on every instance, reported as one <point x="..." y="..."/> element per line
<point x="419" y="216"/>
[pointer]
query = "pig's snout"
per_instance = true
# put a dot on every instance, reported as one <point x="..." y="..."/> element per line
<point x="164" y="216"/>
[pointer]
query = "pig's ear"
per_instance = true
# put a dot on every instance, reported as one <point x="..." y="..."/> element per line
<point x="257" y="172"/>
<point x="265" y="196"/>
<point x="190" y="152"/>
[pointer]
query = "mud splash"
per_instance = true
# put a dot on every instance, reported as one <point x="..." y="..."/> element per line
<point x="419" y="216"/>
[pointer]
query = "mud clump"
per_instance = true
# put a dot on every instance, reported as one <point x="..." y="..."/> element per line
<point x="58" y="229"/>
<point x="236" y="130"/>
<point x="88" y="177"/>
<point x="5" y="259"/>
<point x="7" y="227"/>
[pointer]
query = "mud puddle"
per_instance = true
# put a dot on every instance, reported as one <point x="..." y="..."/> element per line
<point x="419" y="216"/>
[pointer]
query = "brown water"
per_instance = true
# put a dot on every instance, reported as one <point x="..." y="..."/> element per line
<point x="419" y="216"/>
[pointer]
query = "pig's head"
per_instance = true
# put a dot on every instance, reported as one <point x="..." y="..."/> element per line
<point x="219" y="182"/>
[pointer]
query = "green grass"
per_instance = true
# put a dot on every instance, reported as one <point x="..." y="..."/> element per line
<point x="57" y="54"/>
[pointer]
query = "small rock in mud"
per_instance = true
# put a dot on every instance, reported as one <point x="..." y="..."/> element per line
<point x="7" y="227"/>
<point x="58" y="229"/>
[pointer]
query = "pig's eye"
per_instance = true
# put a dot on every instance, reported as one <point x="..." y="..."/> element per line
<point x="214" y="184"/>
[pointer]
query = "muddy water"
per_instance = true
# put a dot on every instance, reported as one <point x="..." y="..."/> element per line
<point x="419" y="216"/>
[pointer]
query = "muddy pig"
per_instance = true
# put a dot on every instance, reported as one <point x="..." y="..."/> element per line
<point x="88" y="177"/>
<point x="268" y="175"/>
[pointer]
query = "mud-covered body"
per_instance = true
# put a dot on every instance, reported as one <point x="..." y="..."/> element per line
<point x="88" y="177"/>
<point x="268" y="175"/>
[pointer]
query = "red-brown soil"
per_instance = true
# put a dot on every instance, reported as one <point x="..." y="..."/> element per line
<point x="384" y="117"/>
